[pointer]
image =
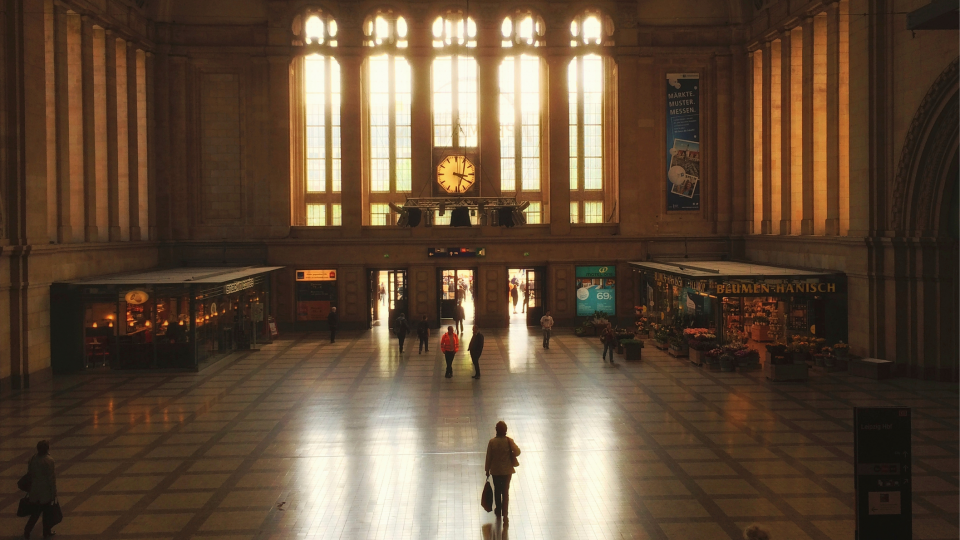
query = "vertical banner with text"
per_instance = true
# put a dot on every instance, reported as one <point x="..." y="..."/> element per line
<point x="683" y="141"/>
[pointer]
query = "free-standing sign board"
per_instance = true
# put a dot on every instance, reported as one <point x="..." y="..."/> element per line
<point x="881" y="448"/>
<point x="596" y="290"/>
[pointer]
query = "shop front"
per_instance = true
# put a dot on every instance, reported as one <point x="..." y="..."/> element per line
<point x="746" y="303"/>
<point x="175" y="318"/>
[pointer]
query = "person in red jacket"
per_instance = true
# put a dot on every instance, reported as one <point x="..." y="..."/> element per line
<point x="449" y="345"/>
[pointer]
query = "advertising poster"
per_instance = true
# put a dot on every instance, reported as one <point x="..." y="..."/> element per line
<point x="683" y="141"/>
<point x="596" y="290"/>
<point x="316" y="294"/>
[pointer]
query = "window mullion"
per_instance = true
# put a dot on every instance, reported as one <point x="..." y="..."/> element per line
<point x="455" y="100"/>
<point x="328" y="125"/>
<point x="517" y="125"/>
<point x="581" y="132"/>
<point x="392" y="121"/>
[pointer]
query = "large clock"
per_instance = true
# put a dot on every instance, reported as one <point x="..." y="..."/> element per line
<point x="456" y="174"/>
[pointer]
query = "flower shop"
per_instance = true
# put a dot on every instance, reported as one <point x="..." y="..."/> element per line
<point x="732" y="314"/>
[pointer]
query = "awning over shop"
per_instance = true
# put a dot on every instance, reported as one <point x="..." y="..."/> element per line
<point x="724" y="278"/>
<point x="726" y="270"/>
<point x="179" y="276"/>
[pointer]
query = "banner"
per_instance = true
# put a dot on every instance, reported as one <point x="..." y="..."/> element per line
<point x="596" y="290"/>
<point x="683" y="141"/>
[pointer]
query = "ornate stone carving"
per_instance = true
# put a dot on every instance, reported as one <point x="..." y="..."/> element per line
<point x="933" y="129"/>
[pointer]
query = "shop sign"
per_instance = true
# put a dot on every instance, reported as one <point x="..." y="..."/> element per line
<point x="316" y="275"/>
<point x="238" y="286"/>
<point x="458" y="252"/>
<point x="775" y="288"/>
<point x="136" y="297"/>
<point x="667" y="279"/>
<point x="596" y="290"/>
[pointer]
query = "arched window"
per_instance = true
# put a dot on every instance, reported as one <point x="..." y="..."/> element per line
<point x="455" y="118"/>
<point x="317" y="104"/>
<point x="521" y="106"/>
<point x="592" y="125"/>
<point x="388" y="96"/>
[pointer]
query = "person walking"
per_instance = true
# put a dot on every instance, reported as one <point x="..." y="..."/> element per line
<point x="476" y="349"/>
<point x="523" y="297"/>
<point x="449" y="345"/>
<point x="546" y="324"/>
<point x="382" y="294"/>
<point x="402" y="328"/>
<point x="423" y="332"/>
<point x="609" y="339"/>
<point x="332" y="321"/>
<point x="43" y="490"/>
<point x="501" y="462"/>
<point x="458" y="316"/>
<point x="515" y="296"/>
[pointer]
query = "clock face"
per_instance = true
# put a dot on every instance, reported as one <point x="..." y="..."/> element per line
<point x="456" y="174"/>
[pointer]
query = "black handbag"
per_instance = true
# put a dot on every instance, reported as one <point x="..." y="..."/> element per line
<point x="55" y="513"/>
<point x="486" y="497"/>
<point x="25" y="482"/>
<point x="26" y="507"/>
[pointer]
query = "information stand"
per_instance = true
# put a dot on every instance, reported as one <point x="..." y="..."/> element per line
<point x="881" y="448"/>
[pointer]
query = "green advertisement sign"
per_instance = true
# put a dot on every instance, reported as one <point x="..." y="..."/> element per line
<point x="596" y="290"/>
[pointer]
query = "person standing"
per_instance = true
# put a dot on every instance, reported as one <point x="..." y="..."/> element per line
<point x="332" y="321"/>
<point x="402" y="328"/>
<point x="449" y="345"/>
<point x="546" y="324"/>
<point x="609" y="339"/>
<point x="501" y="461"/>
<point x="423" y="332"/>
<point x="523" y="297"/>
<point x="43" y="490"/>
<point x="476" y="349"/>
<point x="382" y="293"/>
<point x="515" y="296"/>
<point x="458" y="316"/>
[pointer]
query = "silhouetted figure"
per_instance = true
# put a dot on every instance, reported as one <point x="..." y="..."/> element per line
<point x="476" y="349"/>
<point x="43" y="489"/>
<point x="332" y="321"/>
<point x="423" y="332"/>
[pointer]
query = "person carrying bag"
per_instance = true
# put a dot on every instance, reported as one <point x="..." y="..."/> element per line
<point x="501" y="463"/>
<point x="42" y="493"/>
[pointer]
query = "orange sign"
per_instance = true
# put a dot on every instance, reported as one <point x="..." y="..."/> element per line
<point x="316" y="275"/>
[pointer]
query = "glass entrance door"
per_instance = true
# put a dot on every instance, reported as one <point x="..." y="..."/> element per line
<point x="388" y="296"/>
<point x="457" y="288"/>
<point x="534" y="295"/>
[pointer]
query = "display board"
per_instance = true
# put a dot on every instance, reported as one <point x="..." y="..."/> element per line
<point x="683" y="141"/>
<point x="596" y="290"/>
<point x="316" y="293"/>
<point x="882" y="481"/>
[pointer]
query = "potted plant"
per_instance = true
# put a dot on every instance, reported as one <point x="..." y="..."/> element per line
<point x="727" y="362"/>
<point x="699" y="341"/>
<point x="663" y="335"/>
<point x="746" y="358"/>
<point x="712" y="357"/>
<point x="760" y="331"/>
<point x="632" y="348"/>
<point x="842" y="351"/>
<point x="781" y="366"/>
<point x="678" y="347"/>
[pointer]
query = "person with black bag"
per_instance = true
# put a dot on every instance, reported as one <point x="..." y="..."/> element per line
<point x="402" y="328"/>
<point x="423" y="332"/>
<point x="501" y="463"/>
<point x="42" y="496"/>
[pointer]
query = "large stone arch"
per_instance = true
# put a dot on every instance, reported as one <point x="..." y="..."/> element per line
<point x="924" y="179"/>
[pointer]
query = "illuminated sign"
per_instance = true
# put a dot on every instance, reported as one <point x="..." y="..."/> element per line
<point x="316" y="275"/>
<point x="775" y="288"/>
<point x="238" y="286"/>
<point x="456" y="252"/>
<point x="136" y="297"/>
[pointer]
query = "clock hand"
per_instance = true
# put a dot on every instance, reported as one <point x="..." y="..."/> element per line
<point x="461" y="176"/>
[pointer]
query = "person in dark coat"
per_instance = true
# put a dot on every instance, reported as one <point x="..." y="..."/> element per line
<point x="402" y="328"/>
<point x="476" y="349"/>
<point x="458" y="316"/>
<point x="43" y="490"/>
<point x="423" y="332"/>
<point x="515" y="296"/>
<point x="332" y="321"/>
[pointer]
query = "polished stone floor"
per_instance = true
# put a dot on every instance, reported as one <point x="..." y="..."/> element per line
<point x="307" y="439"/>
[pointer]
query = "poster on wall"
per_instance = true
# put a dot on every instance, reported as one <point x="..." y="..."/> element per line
<point x="316" y="294"/>
<point x="683" y="141"/>
<point x="596" y="290"/>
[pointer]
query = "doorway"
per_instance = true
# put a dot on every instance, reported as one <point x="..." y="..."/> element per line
<point x="387" y="296"/>
<point x="525" y="301"/>
<point x="457" y="288"/>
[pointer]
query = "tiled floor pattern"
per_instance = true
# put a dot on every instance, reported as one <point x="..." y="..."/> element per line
<point x="307" y="439"/>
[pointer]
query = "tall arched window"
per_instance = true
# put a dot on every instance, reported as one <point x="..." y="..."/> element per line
<point x="317" y="137"/>
<point x="521" y="105"/>
<point x="455" y="118"/>
<point x="388" y="96"/>
<point x="592" y="100"/>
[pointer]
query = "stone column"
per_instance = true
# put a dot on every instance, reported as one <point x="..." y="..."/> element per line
<point x="749" y="209"/>
<point x="725" y="143"/>
<point x="806" y="222"/>
<point x="69" y="107"/>
<point x="90" y="158"/>
<point x="351" y="104"/>
<point x="488" y="64"/>
<point x="559" y="154"/>
<point x="150" y="76"/>
<point x="741" y="145"/>
<point x="832" y="223"/>
<point x="177" y="167"/>
<point x="765" y="227"/>
<point x="786" y="132"/>
<point x="279" y="157"/>
<point x="133" y="147"/>
<point x="117" y="143"/>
